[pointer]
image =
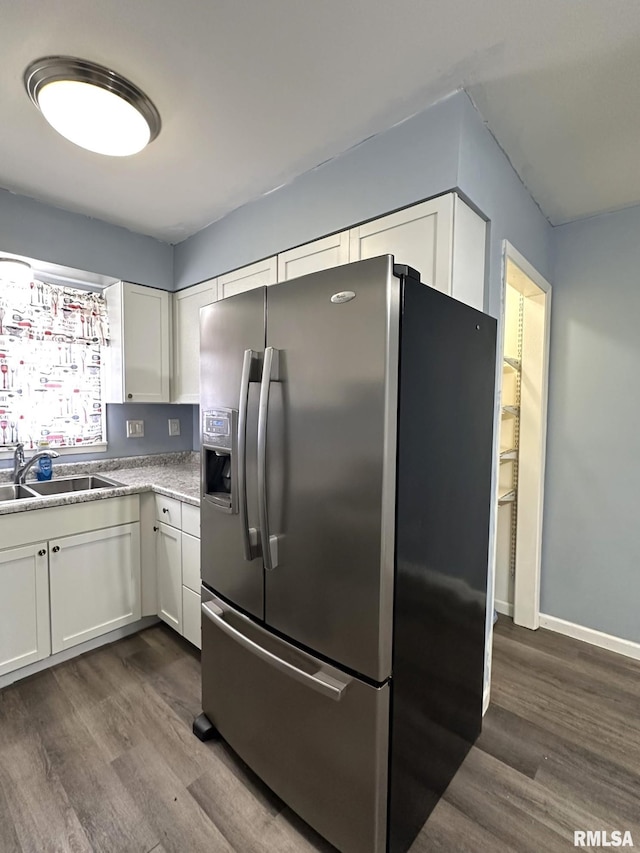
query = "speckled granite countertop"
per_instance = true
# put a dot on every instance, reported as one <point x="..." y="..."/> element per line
<point x="176" y="475"/>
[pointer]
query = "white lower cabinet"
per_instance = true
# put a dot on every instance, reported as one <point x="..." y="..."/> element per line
<point x="94" y="583"/>
<point x="24" y="606"/>
<point x="191" y="562"/>
<point x="169" y="568"/>
<point x="191" y="619"/>
<point x="178" y="566"/>
<point x="80" y="580"/>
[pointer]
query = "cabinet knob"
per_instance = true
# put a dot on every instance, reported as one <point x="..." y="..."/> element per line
<point x="55" y="549"/>
<point x="164" y="509"/>
<point x="42" y="552"/>
<point x="155" y="528"/>
<point x="129" y="396"/>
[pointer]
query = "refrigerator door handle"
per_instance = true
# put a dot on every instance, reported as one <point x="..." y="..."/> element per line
<point x="249" y="536"/>
<point x="320" y="681"/>
<point x="269" y="543"/>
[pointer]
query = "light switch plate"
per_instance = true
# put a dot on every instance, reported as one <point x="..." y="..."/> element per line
<point x="174" y="426"/>
<point x="135" y="429"/>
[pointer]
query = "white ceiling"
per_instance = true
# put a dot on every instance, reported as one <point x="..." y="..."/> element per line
<point x="255" y="92"/>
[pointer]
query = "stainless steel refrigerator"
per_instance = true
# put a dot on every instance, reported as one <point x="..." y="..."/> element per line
<point x="346" y="469"/>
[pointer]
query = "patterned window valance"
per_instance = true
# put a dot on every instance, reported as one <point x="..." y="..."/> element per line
<point x="50" y="365"/>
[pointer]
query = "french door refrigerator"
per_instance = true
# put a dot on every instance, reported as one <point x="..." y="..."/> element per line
<point x="346" y="469"/>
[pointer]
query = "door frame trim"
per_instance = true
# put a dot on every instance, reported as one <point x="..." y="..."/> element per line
<point x="526" y="608"/>
<point x="533" y="431"/>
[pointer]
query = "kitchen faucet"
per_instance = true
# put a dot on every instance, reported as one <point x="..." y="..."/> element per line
<point x="20" y="467"/>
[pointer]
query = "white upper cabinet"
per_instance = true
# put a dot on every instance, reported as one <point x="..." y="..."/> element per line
<point x="260" y="274"/>
<point x="186" y="339"/>
<point x="420" y="236"/>
<point x="469" y="251"/>
<point x="319" y="255"/>
<point x="139" y="354"/>
<point x="442" y="238"/>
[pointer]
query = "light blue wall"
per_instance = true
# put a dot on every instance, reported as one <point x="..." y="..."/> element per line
<point x="591" y="539"/>
<point x="156" y="428"/>
<point x="156" y="438"/>
<point x="196" y="427"/>
<point x="40" y="231"/>
<point x="445" y="147"/>
<point x="409" y="162"/>
<point x="486" y="176"/>
<point x="37" y="230"/>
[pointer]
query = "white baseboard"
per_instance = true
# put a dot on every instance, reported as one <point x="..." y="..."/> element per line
<point x="503" y="607"/>
<point x="67" y="654"/>
<point x="589" y="635"/>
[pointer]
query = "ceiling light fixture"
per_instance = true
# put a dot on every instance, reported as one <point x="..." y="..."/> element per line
<point x="91" y="105"/>
<point x="12" y="270"/>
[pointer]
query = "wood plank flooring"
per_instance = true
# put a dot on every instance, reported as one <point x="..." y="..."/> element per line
<point x="97" y="755"/>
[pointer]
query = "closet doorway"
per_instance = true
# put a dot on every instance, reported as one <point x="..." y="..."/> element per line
<point x="523" y="431"/>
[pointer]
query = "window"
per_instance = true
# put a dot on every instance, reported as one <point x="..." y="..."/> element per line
<point x="51" y="339"/>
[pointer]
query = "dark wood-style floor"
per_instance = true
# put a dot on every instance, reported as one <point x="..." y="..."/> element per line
<point x="97" y="755"/>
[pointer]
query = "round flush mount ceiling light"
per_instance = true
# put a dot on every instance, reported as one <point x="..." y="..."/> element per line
<point x="12" y="270"/>
<point x="91" y="105"/>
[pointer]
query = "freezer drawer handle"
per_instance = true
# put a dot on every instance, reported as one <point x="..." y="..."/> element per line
<point x="249" y="536"/>
<point x="320" y="681"/>
<point x="269" y="543"/>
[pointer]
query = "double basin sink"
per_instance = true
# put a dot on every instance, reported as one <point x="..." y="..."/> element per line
<point x="48" y="488"/>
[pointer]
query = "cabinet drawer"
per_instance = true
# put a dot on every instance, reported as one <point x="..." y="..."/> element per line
<point x="191" y="617"/>
<point x="191" y="520"/>
<point x="169" y="511"/>
<point x="191" y="562"/>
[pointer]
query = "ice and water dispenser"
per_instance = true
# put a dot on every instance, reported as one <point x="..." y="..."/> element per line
<point x="219" y="432"/>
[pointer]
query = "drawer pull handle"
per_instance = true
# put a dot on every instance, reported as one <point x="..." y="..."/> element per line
<point x="155" y="528"/>
<point x="42" y="552"/>
<point x="55" y="549"/>
<point x="164" y="509"/>
<point x="321" y="681"/>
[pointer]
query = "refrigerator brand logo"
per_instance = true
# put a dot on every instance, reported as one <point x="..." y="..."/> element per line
<point x="343" y="296"/>
<point x="601" y="838"/>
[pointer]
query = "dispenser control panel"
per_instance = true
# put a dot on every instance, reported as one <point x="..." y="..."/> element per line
<point x="216" y="427"/>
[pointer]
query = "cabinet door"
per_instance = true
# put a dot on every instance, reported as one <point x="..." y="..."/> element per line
<point x="469" y="250"/>
<point x="191" y="562"/>
<point x="139" y="352"/>
<point x="95" y="584"/>
<point x="186" y="339"/>
<point x="191" y="617"/>
<point x="169" y="565"/>
<point x="148" y="571"/>
<point x="260" y="274"/>
<point x="420" y="236"/>
<point x="319" y="255"/>
<point x="24" y="607"/>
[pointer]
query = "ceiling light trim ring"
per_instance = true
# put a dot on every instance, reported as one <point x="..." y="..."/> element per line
<point x="50" y="69"/>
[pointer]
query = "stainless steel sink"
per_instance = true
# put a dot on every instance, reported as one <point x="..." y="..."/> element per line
<point x="15" y="493"/>
<point x="72" y="484"/>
